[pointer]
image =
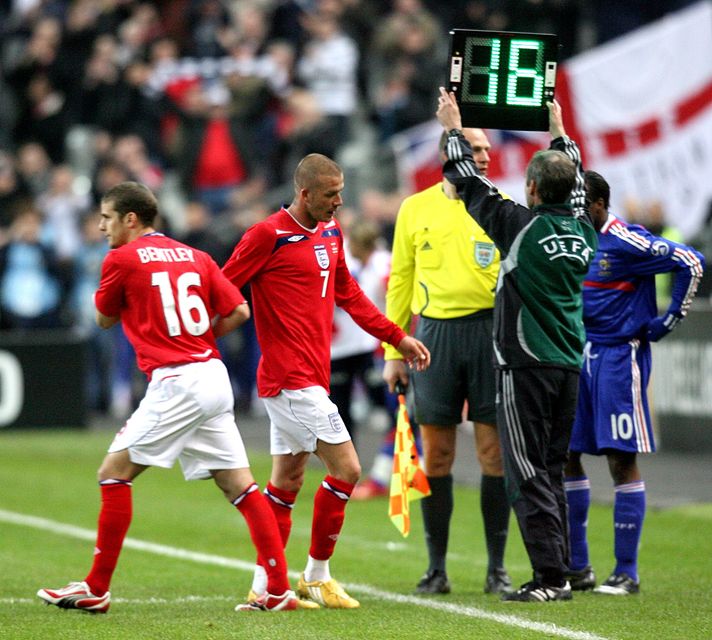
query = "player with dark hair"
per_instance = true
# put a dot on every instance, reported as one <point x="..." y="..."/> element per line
<point x="294" y="261"/>
<point x="173" y="302"/>
<point x="546" y="249"/>
<point x="444" y="270"/>
<point x="613" y="417"/>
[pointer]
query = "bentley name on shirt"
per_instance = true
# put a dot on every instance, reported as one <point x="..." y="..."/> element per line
<point x="154" y="254"/>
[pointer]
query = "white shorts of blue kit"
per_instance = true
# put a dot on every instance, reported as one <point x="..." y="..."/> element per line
<point x="186" y="414"/>
<point x="300" y="417"/>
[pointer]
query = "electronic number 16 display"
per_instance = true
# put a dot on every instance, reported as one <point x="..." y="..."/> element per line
<point x="501" y="79"/>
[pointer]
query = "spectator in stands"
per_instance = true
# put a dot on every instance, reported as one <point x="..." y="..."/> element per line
<point x="209" y="19"/>
<point x="35" y="167"/>
<point x="327" y="67"/>
<point x="100" y="367"/>
<point x="137" y="32"/>
<point x="79" y="39"/>
<point x="105" y="96"/>
<point x="8" y="112"/>
<point x="381" y="208"/>
<point x="38" y="79"/>
<point x="216" y="152"/>
<point x="353" y="350"/>
<point x="409" y="53"/>
<point x="14" y="193"/>
<point x="549" y="16"/>
<point x="282" y="55"/>
<point x="144" y="111"/>
<point x="304" y="128"/>
<point x="131" y="152"/>
<point x="358" y="19"/>
<point x="30" y="283"/>
<point x="482" y="14"/>
<point x="109" y="172"/>
<point x="251" y="28"/>
<point x="63" y="209"/>
<point x="286" y="22"/>
<point x="201" y="233"/>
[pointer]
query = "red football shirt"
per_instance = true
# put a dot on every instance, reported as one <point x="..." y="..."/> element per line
<point x="166" y="294"/>
<point x="296" y="276"/>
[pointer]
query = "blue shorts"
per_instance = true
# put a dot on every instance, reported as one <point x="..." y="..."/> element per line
<point x="612" y="410"/>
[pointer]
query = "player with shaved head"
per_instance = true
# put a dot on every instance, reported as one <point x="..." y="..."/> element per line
<point x="294" y="262"/>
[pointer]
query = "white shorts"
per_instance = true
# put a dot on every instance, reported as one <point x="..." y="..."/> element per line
<point x="188" y="414"/>
<point x="300" y="417"/>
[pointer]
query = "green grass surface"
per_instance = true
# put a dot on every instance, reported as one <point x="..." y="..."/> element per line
<point x="51" y="475"/>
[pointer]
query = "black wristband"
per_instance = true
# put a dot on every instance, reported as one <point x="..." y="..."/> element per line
<point x="454" y="132"/>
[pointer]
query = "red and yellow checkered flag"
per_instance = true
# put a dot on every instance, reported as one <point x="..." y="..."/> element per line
<point x="408" y="481"/>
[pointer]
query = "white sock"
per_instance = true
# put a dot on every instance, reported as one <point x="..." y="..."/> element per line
<point x="317" y="570"/>
<point x="259" y="580"/>
<point x="382" y="469"/>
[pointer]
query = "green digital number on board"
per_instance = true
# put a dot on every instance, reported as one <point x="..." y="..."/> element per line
<point x="483" y="72"/>
<point x="503" y="79"/>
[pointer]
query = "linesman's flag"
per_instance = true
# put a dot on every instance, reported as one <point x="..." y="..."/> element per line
<point x="408" y="481"/>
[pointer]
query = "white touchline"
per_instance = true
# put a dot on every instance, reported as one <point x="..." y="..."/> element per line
<point x="206" y="558"/>
<point x="149" y="601"/>
<point x="399" y="547"/>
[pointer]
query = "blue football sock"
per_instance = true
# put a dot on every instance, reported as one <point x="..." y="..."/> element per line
<point x="578" y="495"/>
<point x="628" y="515"/>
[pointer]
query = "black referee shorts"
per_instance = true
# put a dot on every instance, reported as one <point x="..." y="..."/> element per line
<point x="461" y="368"/>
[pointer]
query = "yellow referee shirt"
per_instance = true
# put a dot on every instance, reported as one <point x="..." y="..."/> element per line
<point x="444" y="265"/>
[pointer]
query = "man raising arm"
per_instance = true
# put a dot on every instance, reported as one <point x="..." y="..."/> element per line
<point x="546" y="249"/>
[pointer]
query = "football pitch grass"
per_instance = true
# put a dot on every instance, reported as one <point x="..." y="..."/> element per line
<point x="188" y="560"/>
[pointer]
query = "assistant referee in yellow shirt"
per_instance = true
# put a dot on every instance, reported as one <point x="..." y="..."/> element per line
<point x="444" y="270"/>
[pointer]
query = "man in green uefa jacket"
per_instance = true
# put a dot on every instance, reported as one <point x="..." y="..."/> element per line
<point x="546" y="250"/>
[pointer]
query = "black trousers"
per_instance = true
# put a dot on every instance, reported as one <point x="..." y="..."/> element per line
<point x="535" y="413"/>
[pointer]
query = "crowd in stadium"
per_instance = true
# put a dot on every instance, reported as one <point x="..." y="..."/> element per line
<point x="211" y="104"/>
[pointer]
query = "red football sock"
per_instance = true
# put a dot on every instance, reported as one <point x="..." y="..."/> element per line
<point x="282" y="502"/>
<point x="114" y="521"/>
<point x="265" y="536"/>
<point x="329" y="510"/>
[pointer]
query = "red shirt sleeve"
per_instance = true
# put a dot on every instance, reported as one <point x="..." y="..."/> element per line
<point x="350" y="297"/>
<point x="250" y="255"/>
<point x="224" y="296"/>
<point x="109" y="298"/>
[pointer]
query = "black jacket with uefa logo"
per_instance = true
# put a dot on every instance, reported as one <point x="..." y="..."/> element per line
<point x="546" y="252"/>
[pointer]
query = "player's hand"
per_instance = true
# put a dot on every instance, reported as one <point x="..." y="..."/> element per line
<point x="448" y="113"/>
<point x="415" y="353"/>
<point x="659" y="327"/>
<point x="556" y="121"/>
<point x="395" y="371"/>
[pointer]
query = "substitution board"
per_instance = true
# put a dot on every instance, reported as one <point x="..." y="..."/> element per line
<point x="503" y="79"/>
